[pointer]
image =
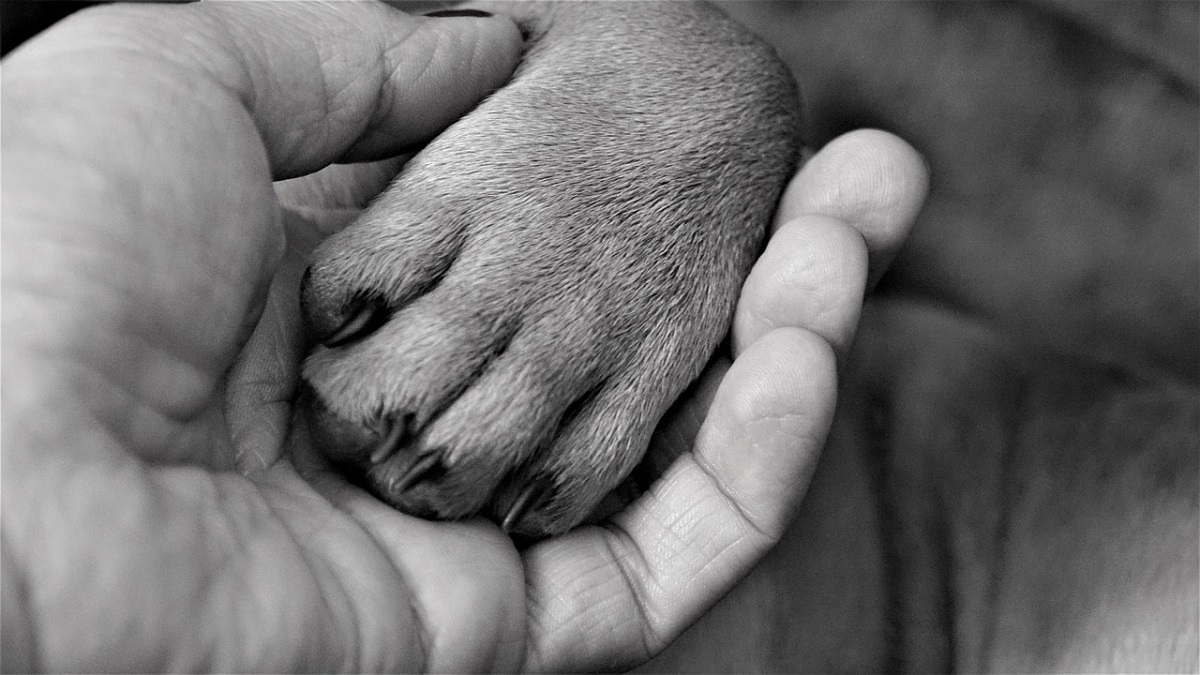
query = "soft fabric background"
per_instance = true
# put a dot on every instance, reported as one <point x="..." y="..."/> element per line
<point x="1062" y="138"/>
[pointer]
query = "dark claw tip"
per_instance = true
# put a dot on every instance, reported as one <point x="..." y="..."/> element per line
<point x="533" y="497"/>
<point x="363" y="317"/>
<point x="477" y="13"/>
<point x="427" y="466"/>
<point x="392" y="440"/>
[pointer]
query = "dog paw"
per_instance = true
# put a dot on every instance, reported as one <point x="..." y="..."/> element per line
<point x="502" y="329"/>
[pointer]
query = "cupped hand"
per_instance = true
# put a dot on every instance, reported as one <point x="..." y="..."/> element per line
<point x="160" y="509"/>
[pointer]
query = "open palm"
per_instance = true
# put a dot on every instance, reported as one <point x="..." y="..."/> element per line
<point x="161" y="510"/>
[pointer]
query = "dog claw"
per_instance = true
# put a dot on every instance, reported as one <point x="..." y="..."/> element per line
<point x="426" y="467"/>
<point x="537" y="493"/>
<point x="364" y="316"/>
<point x="391" y="442"/>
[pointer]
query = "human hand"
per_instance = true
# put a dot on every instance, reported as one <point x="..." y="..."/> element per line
<point x="141" y="233"/>
<point x="140" y="238"/>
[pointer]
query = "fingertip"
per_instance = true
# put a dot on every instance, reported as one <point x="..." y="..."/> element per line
<point x="871" y="179"/>
<point x="811" y="275"/>
<point x="768" y="423"/>
<point x="787" y="371"/>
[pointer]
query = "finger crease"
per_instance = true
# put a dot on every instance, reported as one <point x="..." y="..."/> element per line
<point x="712" y="475"/>
<point x="328" y="583"/>
<point x="652" y="642"/>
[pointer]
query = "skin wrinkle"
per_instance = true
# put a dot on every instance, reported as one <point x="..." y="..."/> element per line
<point x="232" y="77"/>
<point x="322" y="572"/>
<point x="400" y="54"/>
<point x="117" y="291"/>
<point x="684" y="474"/>
<point x="383" y="64"/>
<point x="58" y="242"/>
<point x="729" y="497"/>
<point x="220" y="531"/>
<point x="371" y="523"/>
<point x="389" y="62"/>
<point x="243" y="82"/>
<point x="327" y="98"/>
<point x="252" y="96"/>
<point x="420" y="614"/>
<point x="231" y="599"/>
<point x="605" y="544"/>
<point x="330" y="586"/>
<point x="220" y="582"/>
<point x="615" y="539"/>
<point x="758" y="402"/>
<point x="737" y="541"/>
<point x="109" y="421"/>
<point x="249" y="458"/>
<point x="244" y="76"/>
<point x="715" y="561"/>
<point x="274" y="375"/>
<point x="333" y="103"/>
<point x="259" y="298"/>
<point x="534" y="611"/>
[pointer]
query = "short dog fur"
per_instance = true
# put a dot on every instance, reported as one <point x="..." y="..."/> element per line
<point x="503" y="328"/>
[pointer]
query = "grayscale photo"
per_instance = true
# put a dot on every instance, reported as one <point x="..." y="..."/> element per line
<point x="664" y="336"/>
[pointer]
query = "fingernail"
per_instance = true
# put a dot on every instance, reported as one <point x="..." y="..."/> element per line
<point x="477" y="13"/>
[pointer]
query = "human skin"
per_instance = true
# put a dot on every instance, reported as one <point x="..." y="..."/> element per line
<point x="160" y="509"/>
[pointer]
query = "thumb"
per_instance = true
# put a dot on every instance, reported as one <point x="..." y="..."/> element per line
<point x="321" y="81"/>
